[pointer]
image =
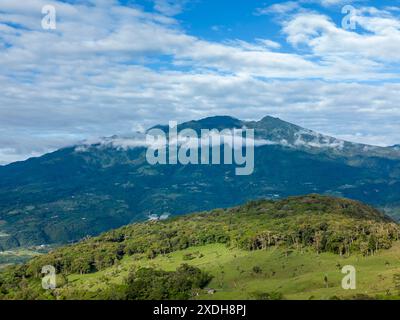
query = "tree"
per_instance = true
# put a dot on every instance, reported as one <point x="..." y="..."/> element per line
<point x="257" y="269"/>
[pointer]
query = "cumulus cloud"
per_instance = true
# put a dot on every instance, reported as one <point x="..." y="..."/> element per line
<point x="109" y="69"/>
<point x="319" y="34"/>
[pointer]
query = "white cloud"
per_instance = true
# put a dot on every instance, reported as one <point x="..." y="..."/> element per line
<point x="318" y="33"/>
<point x="108" y="69"/>
<point x="269" y="44"/>
<point x="169" y="7"/>
<point x="280" y="8"/>
<point x="329" y="3"/>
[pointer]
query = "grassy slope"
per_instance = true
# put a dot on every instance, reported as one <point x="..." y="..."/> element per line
<point x="298" y="276"/>
<point x="220" y="242"/>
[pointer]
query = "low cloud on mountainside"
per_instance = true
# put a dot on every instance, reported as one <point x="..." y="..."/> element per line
<point x="111" y="66"/>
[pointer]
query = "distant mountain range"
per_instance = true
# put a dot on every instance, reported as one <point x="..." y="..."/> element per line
<point x="96" y="186"/>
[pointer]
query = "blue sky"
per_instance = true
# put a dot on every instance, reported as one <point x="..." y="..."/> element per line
<point x="113" y="67"/>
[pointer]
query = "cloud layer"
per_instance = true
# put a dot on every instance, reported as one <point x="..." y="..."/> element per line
<point x="109" y="68"/>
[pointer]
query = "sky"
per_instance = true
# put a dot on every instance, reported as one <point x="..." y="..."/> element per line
<point x="117" y="67"/>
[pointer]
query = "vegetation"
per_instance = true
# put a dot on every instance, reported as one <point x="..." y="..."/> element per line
<point x="19" y="255"/>
<point x="122" y="260"/>
<point x="268" y="295"/>
<point x="64" y="196"/>
<point x="150" y="284"/>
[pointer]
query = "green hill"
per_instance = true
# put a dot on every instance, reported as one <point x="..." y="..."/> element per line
<point x="84" y="190"/>
<point x="292" y="248"/>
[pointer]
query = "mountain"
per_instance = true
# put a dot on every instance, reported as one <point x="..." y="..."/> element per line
<point x="268" y="249"/>
<point x="96" y="186"/>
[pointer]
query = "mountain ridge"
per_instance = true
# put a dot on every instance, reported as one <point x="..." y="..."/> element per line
<point x="78" y="191"/>
<point x="229" y="122"/>
<point x="277" y="131"/>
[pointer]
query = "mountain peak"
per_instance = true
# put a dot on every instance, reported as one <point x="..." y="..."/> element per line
<point x="113" y="176"/>
<point x="270" y="118"/>
<point x="219" y="119"/>
<point x="270" y="121"/>
<point x="214" y="122"/>
<point x="217" y="122"/>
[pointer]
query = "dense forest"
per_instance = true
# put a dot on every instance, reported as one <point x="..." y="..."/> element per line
<point x="319" y="223"/>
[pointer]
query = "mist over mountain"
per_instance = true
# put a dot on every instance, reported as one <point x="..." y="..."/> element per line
<point x="96" y="186"/>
